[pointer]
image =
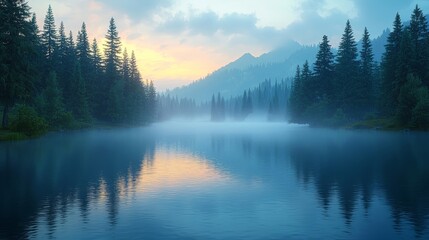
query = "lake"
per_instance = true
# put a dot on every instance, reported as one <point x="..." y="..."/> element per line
<point x="216" y="181"/>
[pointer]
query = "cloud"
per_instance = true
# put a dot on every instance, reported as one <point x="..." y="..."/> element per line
<point x="209" y="23"/>
<point x="137" y="10"/>
<point x="312" y="27"/>
<point x="232" y="29"/>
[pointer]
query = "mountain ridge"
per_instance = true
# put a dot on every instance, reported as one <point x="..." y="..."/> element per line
<point x="248" y="71"/>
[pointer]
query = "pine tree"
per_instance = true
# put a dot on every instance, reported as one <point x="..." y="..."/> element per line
<point x="151" y="96"/>
<point x="346" y="81"/>
<point x="295" y="105"/>
<point x="62" y="68"/>
<point x="365" y="95"/>
<point x="125" y="66"/>
<point x="114" y="85"/>
<point x="129" y="88"/>
<point x="83" y="56"/>
<point x="307" y="89"/>
<point x="324" y="70"/>
<point x="213" y="108"/>
<point x="413" y="108"/>
<point x="36" y="58"/>
<point x="68" y="70"/>
<point x="80" y="100"/>
<point x="134" y="72"/>
<point x="244" y="106"/>
<point x="54" y="107"/>
<point x="390" y="83"/>
<point x="112" y="50"/>
<point x="49" y="38"/>
<point x="16" y="54"/>
<point x="419" y="44"/>
<point x="96" y="97"/>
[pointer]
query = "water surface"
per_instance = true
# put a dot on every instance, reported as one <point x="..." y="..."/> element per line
<point x="216" y="181"/>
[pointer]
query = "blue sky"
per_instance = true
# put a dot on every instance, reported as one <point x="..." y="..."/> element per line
<point x="180" y="41"/>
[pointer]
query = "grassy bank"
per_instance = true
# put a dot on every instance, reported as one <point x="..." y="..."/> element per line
<point x="377" y="124"/>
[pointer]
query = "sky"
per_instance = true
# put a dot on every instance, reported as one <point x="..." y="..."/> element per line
<point x="180" y="41"/>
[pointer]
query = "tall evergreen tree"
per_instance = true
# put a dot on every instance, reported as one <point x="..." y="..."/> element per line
<point x="324" y="70"/>
<point x="151" y="101"/>
<point x="53" y="102"/>
<point x="112" y="50"/>
<point x="112" y="64"/>
<point x="295" y="105"/>
<point x="213" y="109"/>
<point x="36" y="58"/>
<point x="419" y="44"/>
<point x="96" y="95"/>
<point x="83" y="55"/>
<point x="69" y="62"/>
<point x="125" y="66"/>
<point x="62" y="68"/>
<point x="16" y="54"/>
<point x="80" y="100"/>
<point x="390" y="82"/>
<point x="347" y="67"/>
<point x="134" y="72"/>
<point x="366" y="94"/>
<point x="49" y="38"/>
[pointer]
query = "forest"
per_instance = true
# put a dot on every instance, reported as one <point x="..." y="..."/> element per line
<point x="351" y="88"/>
<point x="50" y="81"/>
<point x="267" y="101"/>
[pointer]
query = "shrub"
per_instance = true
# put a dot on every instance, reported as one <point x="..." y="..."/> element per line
<point x="24" y="119"/>
<point x="62" y="120"/>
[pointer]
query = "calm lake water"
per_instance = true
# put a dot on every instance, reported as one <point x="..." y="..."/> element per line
<point x="216" y="181"/>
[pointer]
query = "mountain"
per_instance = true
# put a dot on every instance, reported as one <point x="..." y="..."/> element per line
<point x="378" y="45"/>
<point x="248" y="71"/>
<point x="242" y="63"/>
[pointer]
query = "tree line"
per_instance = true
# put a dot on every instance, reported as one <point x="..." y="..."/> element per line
<point x="267" y="100"/>
<point x="49" y="79"/>
<point x="351" y="86"/>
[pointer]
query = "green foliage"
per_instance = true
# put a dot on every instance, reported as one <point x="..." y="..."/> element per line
<point x="24" y="119"/>
<point x="420" y="113"/>
<point x="413" y="109"/>
<point x="49" y="38"/>
<point x="323" y="70"/>
<point x="347" y="85"/>
<point x="397" y="89"/>
<point x="390" y="86"/>
<point x="17" y="52"/>
<point x="66" y="83"/>
<point x="339" y="119"/>
<point x="11" y="136"/>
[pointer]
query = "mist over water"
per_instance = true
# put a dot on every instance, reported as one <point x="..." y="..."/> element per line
<point x="203" y="180"/>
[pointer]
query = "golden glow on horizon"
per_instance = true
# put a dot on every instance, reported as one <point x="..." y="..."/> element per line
<point x="179" y="63"/>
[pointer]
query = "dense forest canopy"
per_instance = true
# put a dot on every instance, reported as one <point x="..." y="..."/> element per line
<point x="50" y="80"/>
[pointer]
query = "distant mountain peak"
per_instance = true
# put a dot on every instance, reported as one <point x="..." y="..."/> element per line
<point x="241" y="63"/>
<point x="247" y="55"/>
